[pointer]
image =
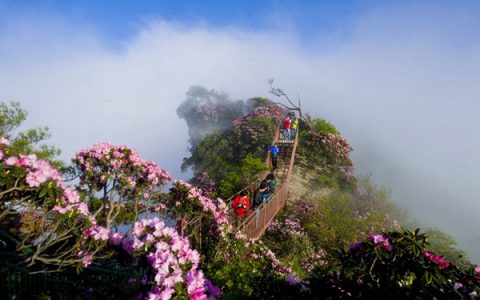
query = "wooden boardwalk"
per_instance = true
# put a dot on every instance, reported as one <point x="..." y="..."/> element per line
<point x="256" y="222"/>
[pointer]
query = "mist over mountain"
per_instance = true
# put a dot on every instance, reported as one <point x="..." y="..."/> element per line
<point x="399" y="80"/>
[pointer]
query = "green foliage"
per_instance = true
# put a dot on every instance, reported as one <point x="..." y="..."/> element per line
<point x="253" y="137"/>
<point x="237" y="178"/>
<point x="392" y="265"/>
<point x="243" y="271"/>
<point x="445" y="244"/>
<point x="12" y="116"/>
<point x="338" y="218"/>
<point x="233" y="157"/>
<point x="339" y="226"/>
<point x="252" y="166"/>
<point x="259" y="101"/>
<point x="231" y="182"/>
<point x="289" y="243"/>
<point x="322" y="147"/>
<point x="324" y="127"/>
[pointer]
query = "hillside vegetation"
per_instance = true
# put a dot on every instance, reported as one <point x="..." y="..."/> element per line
<point x="116" y="232"/>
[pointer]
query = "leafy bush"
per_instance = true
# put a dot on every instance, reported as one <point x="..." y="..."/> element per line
<point x="324" y="127"/>
<point x="289" y="241"/>
<point x="12" y="115"/>
<point x="234" y="157"/>
<point x="393" y="265"/>
<point x="321" y="146"/>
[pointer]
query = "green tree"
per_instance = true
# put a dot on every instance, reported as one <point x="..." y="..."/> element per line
<point x="12" y="115"/>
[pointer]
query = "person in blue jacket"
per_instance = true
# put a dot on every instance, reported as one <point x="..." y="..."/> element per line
<point x="273" y="149"/>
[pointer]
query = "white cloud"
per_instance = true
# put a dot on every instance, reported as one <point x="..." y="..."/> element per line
<point x="405" y="96"/>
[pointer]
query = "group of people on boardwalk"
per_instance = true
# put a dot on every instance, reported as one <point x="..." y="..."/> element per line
<point x="242" y="204"/>
<point x="289" y="126"/>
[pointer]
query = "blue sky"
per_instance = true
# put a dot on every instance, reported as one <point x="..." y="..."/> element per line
<point x="400" y="80"/>
<point x="120" y="19"/>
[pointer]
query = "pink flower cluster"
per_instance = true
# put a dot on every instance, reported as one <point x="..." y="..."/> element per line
<point x="171" y="257"/>
<point x="105" y="163"/>
<point x="335" y="150"/>
<point x="39" y="172"/>
<point x="288" y="226"/>
<point x="380" y="239"/>
<point x="70" y="201"/>
<point x="339" y="150"/>
<point x="436" y="259"/>
<point x="217" y="208"/>
<point x="97" y="233"/>
<point x="166" y="251"/>
<point x="272" y="111"/>
<point x="316" y="258"/>
<point x="279" y="268"/>
<point x="219" y="211"/>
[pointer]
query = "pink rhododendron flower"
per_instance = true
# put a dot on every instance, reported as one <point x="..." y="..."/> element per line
<point x="97" y="233"/>
<point x="83" y="209"/>
<point x="11" y="160"/>
<point x="86" y="258"/>
<point x="436" y="259"/>
<point x="377" y="238"/>
<point x="115" y="238"/>
<point x="4" y="141"/>
<point x="380" y="239"/>
<point x="59" y="209"/>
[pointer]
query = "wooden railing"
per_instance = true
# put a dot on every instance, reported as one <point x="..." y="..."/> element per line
<point x="256" y="223"/>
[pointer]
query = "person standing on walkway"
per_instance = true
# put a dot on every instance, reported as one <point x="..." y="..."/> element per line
<point x="258" y="197"/>
<point x="271" y="184"/>
<point x="241" y="204"/>
<point x="273" y="150"/>
<point x="287" y="123"/>
<point x="293" y="130"/>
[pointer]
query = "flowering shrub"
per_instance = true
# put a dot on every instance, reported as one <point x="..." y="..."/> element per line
<point x="324" y="146"/>
<point x="118" y="177"/>
<point x="48" y="213"/>
<point x="233" y="156"/>
<point x="227" y="254"/>
<point x="272" y="112"/>
<point x="34" y="192"/>
<point x="393" y="265"/>
<point x="191" y="210"/>
<point x="174" y="264"/>
<point x="119" y="168"/>
<point x="288" y="239"/>
<point x="288" y="227"/>
<point x="204" y="183"/>
<point x="248" y="268"/>
<point x="316" y="258"/>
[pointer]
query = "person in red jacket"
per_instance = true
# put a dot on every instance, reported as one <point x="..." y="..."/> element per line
<point x="241" y="204"/>
<point x="287" y="123"/>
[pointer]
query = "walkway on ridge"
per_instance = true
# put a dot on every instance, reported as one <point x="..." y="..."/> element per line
<point x="256" y="222"/>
